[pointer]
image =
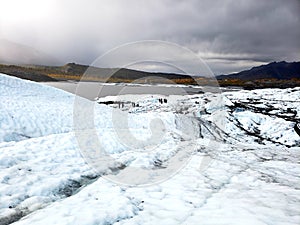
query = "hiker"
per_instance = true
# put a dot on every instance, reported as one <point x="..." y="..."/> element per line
<point x="297" y="128"/>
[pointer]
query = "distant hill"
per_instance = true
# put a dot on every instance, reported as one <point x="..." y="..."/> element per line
<point x="275" y="70"/>
<point x="119" y="73"/>
<point x="25" y="73"/>
<point x="73" y="71"/>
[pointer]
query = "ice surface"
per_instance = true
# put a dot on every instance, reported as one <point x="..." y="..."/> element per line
<point x="252" y="176"/>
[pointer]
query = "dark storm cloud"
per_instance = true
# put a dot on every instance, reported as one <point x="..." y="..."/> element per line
<point x="229" y="35"/>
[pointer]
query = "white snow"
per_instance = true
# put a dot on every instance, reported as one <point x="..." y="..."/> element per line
<point x="252" y="176"/>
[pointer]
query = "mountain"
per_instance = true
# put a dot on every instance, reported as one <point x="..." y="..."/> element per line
<point x="25" y="73"/>
<point x="121" y="73"/>
<point x="275" y="70"/>
<point x="73" y="71"/>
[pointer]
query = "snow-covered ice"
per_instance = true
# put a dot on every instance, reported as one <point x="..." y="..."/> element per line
<point x="252" y="176"/>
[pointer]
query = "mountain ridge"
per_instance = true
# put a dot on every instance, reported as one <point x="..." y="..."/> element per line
<point x="275" y="70"/>
<point x="73" y="71"/>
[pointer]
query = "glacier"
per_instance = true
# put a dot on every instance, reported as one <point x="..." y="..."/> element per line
<point x="251" y="150"/>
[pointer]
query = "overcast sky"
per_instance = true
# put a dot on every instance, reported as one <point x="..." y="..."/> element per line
<point x="229" y="35"/>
